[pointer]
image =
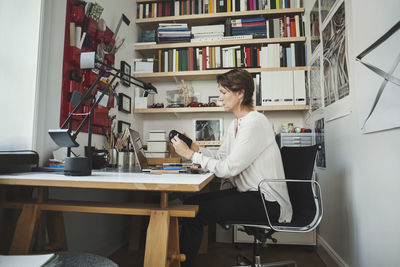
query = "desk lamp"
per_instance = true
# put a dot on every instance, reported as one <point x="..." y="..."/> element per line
<point x="64" y="137"/>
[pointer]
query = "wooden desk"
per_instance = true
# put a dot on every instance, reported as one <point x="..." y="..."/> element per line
<point x="162" y="241"/>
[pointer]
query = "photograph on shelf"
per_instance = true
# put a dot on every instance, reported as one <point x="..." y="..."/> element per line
<point x="326" y="6"/>
<point x="214" y="99"/>
<point x="320" y="140"/>
<point x="125" y="73"/>
<point x="314" y="27"/>
<point x="124" y="103"/>
<point x="122" y="126"/>
<point x="315" y="82"/>
<point x="336" y="78"/>
<point x="207" y="129"/>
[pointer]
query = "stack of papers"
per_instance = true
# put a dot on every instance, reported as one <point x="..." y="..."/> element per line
<point x="28" y="260"/>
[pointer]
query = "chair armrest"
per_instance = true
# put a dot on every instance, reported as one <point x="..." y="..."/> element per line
<point x="316" y="190"/>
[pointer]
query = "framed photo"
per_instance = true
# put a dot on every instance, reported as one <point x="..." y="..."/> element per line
<point x="213" y="99"/>
<point x="207" y="129"/>
<point x="124" y="103"/>
<point x="122" y="126"/>
<point x="125" y="73"/>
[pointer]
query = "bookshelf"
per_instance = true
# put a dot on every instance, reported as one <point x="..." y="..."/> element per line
<point x="150" y="50"/>
<point x="199" y="75"/>
<point x="198" y="19"/>
<point x="215" y="109"/>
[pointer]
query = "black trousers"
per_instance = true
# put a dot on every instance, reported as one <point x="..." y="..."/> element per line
<point x="214" y="207"/>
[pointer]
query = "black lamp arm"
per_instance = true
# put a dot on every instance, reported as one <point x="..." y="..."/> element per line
<point x="83" y="99"/>
<point x="93" y="107"/>
<point x="143" y="85"/>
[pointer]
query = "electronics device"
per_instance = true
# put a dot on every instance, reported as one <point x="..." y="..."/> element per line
<point x="184" y="138"/>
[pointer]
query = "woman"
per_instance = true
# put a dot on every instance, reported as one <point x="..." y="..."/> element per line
<point x="248" y="154"/>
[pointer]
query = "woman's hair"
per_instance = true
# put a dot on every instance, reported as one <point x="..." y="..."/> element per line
<point x="237" y="79"/>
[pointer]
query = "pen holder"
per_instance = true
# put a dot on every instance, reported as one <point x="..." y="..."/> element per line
<point x="112" y="157"/>
<point x="123" y="160"/>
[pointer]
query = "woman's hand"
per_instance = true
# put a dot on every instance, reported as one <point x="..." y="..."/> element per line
<point x="194" y="146"/>
<point x="181" y="148"/>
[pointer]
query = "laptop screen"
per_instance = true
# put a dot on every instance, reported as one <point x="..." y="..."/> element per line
<point x="139" y="151"/>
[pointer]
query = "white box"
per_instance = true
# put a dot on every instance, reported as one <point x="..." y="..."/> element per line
<point x="157" y="146"/>
<point x="157" y="154"/>
<point x="276" y="88"/>
<point x="299" y="87"/>
<point x="144" y="102"/>
<point x="157" y="135"/>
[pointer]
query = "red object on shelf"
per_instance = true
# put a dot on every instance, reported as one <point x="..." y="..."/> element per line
<point x="110" y="59"/>
<point x="108" y="35"/>
<point x="77" y="13"/>
<point x="92" y="27"/>
<point x="100" y="35"/>
<point x="74" y="55"/>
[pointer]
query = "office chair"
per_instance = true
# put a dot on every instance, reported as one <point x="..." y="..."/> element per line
<point x="305" y="197"/>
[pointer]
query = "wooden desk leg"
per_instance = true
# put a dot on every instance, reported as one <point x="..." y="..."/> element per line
<point x="25" y="229"/>
<point x="56" y="230"/>
<point x="157" y="239"/>
<point x="174" y="256"/>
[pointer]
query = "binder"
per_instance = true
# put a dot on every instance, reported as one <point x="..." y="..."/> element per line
<point x="299" y="87"/>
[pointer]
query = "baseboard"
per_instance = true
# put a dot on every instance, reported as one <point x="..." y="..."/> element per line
<point x="328" y="254"/>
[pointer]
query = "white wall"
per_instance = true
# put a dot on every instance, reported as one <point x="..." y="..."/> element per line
<point x="18" y="69"/>
<point x="96" y="233"/>
<point x="361" y="182"/>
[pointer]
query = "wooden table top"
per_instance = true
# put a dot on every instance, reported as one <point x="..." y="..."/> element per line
<point x="112" y="180"/>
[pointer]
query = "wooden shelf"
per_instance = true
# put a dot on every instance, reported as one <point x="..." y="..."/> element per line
<point x="149" y="49"/>
<point x="215" y="109"/>
<point x="198" y="75"/>
<point x="198" y="19"/>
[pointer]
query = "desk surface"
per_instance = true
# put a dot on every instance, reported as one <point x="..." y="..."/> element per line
<point x="112" y="180"/>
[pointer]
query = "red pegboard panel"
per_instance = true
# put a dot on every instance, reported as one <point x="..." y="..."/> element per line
<point x="71" y="62"/>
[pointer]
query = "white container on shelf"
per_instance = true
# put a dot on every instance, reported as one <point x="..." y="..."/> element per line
<point x="157" y="146"/>
<point x="157" y="154"/>
<point x="157" y="135"/>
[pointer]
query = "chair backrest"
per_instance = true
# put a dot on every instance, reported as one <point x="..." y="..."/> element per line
<point x="298" y="163"/>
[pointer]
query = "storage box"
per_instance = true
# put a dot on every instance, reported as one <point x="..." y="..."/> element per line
<point x="144" y="102"/>
<point x="157" y="135"/>
<point x="157" y="154"/>
<point x="157" y="146"/>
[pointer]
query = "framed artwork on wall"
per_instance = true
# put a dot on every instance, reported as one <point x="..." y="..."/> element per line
<point x="207" y="129"/>
<point x="124" y="103"/>
<point x="125" y="73"/>
<point x="122" y="126"/>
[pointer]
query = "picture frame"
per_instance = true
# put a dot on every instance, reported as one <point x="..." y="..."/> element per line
<point x="208" y="129"/>
<point x="122" y="126"/>
<point x="124" y="103"/>
<point x="213" y="99"/>
<point x="125" y="73"/>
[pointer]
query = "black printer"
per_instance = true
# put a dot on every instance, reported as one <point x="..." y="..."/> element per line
<point x="18" y="161"/>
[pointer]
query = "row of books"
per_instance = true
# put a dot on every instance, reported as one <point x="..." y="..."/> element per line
<point x="286" y="26"/>
<point x="203" y="58"/>
<point x="173" y="33"/>
<point x="283" y="55"/>
<point x="188" y="7"/>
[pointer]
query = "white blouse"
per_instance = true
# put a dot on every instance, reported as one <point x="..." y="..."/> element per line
<point x="249" y="157"/>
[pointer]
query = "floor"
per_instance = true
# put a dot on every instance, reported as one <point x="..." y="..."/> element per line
<point x="221" y="255"/>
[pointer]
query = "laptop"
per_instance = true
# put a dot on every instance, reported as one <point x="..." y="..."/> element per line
<point x="142" y="160"/>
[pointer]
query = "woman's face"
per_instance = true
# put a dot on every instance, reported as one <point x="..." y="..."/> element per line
<point x="230" y="100"/>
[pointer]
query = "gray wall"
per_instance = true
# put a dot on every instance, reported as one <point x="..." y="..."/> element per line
<point x="361" y="182"/>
